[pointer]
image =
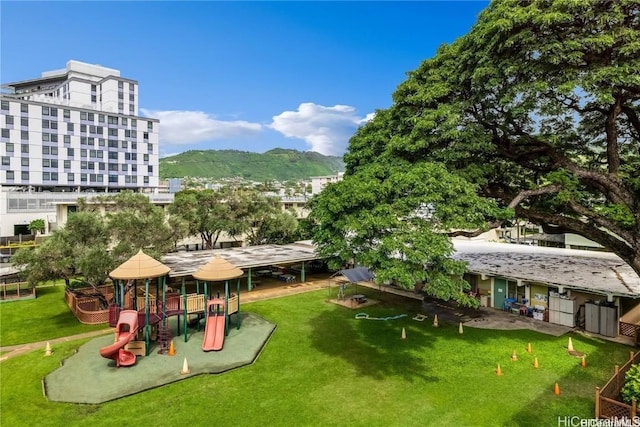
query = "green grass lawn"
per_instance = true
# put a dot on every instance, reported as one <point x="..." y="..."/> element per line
<point x="322" y="367"/>
<point x="46" y="317"/>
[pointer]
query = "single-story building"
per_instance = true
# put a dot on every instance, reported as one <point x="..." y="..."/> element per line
<point x="576" y="288"/>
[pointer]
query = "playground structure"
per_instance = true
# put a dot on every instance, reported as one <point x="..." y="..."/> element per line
<point x="217" y="320"/>
<point x="153" y="308"/>
<point x="126" y="330"/>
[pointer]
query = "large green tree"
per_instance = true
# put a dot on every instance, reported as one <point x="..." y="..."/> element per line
<point x="537" y="108"/>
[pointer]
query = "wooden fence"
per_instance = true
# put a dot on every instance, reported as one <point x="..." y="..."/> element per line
<point x="87" y="308"/>
<point x="16" y="291"/>
<point x="607" y="404"/>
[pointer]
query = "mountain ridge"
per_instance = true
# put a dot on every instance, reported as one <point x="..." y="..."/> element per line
<point x="278" y="164"/>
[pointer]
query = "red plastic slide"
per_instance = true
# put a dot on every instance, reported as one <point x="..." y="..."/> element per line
<point x="126" y="330"/>
<point x="214" y="328"/>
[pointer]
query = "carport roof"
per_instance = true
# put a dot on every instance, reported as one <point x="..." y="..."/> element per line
<point x="187" y="263"/>
<point x="589" y="271"/>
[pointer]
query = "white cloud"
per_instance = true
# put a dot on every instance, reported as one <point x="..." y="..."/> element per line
<point x="189" y="127"/>
<point x="325" y="129"/>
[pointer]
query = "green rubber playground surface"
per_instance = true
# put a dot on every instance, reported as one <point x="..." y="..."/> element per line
<point x="86" y="377"/>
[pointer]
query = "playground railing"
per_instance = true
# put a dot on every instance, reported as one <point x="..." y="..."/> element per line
<point x="195" y="303"/>
<point x="607" y="404"/>
<point x="233" y="305"/>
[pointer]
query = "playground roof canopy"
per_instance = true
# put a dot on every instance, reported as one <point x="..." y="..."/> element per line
<point x="216" y="270"/>
<point x="140" y="266"/>
<point x="357" y="274"/>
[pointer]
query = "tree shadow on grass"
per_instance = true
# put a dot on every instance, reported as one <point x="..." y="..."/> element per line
<point x="373" y="348"/>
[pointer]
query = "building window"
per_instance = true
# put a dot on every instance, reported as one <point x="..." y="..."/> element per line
<point x="113" y="155"/>
<point x="53" y="112"/>
<point x="150" y="148"/>
<point x="99" y="130"/>
<point x="46" y="176"/>
<point x="4" y="105"/>
<point x="6" y="161"/>
<point x="24" y="122"/>
<point x="120" y="84"/>
<point x="134" y="146"/>
<point x="54" y="163"/>
<point x="66" y="164"/>
<point x="9" y="147"/>
<point x="120" y="95"/>
<point x="54" y="137"/>
<point x="83" y="177"/>
<point x="71" y="177"/>
<point x="45" y="124"/>
<point x="93" y="88"/>
<point x="113" y="132"/>
<point x="54" y="125"/>
<point x="113" y="167"/>
<point x="10" y="176"/>
<point x="132" y="109"/>
<point x="113" y="143"/>
<point x="134" y="156"/>
<point x="69" y="127"/>
<point x="24" y="108"/>
<point x="9" y="120"/>
<point x="134" y="168"/>
<point x="69" y="152"/>
<point x="45" y="149"/>
<point x="101" y="118"/>
<point x="66" y="114"/>
<point x="83" y="152"/>
<point x="134" y="123"/>
<point x="124" y="144"/>
<point x="101" y="165"/>
<point x="83" y="115"/>
<point x="45" y="111"/>
<point x="5" y="133"/>
<point x="101" y="142"/>
<point x="24" y="176"/>
<point x="145" y="179"/>
<point x="83" y="140"/>
<point x="124" y="167"/>
<point x="54" y="151"/>
<point x="145" y="135"/>
<point x="67" y="139"/>
<point x="54" y="176"/>
<point x="120" y="107"/>
<point x="145" y="157"/>
<point x="94" y="98"/>
<point x="91" y="166"/>
<point x="113" y="178"/>
<point x="24" y="148"/>
<point x="46" y="163"/>
<point x="24" y="161"/>
<point x="150" y="126"/>
<point x="91" y="141"/>
<point x="150" y="169"/>
<point x="83" y="128"/>
<point x="124" y="121"/>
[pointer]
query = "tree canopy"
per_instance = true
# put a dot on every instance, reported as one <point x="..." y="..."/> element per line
<point x="535" y="109"/>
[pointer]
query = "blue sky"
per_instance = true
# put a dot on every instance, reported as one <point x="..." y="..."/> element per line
<point x="249" y="76"/>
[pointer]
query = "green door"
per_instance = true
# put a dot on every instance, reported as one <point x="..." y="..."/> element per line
<point x="499" y="292"/>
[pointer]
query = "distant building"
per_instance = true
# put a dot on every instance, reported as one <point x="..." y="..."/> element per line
<point x="72" y="132"/>
<point x="319" y="182"/>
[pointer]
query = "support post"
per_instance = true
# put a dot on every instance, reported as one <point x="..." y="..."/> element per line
<point x="184" y="306"/>
<point x="302" y="275"/>
<point x="249" y="287"/>
<point x="226" y="308"/>
<point x="147" y="327"/>
<point x="238" y="312"/>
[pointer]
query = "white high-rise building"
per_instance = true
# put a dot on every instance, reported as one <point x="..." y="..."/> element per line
<point x="74" y="130"/>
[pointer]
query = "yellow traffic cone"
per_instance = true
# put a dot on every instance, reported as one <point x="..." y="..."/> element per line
<point x="529" y="348"/>
<point x="556" y="390"/>
<point x="185" y="367"/>
<point x="535" y="363"/>
<point x="570" y="345"/>
<point x="460" y="328"/>
<point x="47" y="350"/>
<point x="172" y="350"/>
<point x="404" y="334"/>
<point x="583" y="362"/>
<point x="498" y="371"/>
<point x="514" y="356"/>
<point x="435" y="321"/>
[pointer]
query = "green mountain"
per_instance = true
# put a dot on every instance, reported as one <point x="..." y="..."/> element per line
<point x="277" y="164"/>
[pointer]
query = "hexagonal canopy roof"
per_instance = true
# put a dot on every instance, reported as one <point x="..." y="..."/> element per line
<point x="216" y="270"/>
<point x="140" y="266"/>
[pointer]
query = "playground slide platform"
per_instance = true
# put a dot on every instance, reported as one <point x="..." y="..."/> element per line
<point x="126" y="330"/>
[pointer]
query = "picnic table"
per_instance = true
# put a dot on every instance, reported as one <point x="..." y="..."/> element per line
<point x="359" y="298"/>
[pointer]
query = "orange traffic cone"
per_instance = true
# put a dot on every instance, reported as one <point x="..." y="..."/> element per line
<point x="498" y="371"/>
<point x="172" y="350"/>
<point x="535" y="363"/>
<point x="583" y="362"/>
<point x="435" y="321"/>
<point x="404" y="334"/>
<point x="529" y="348"/>
<point x="556" y="390"/>
<point x="514" y="356"/>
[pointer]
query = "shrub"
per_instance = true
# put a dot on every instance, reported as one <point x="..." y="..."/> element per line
<point x="631" y="389"/>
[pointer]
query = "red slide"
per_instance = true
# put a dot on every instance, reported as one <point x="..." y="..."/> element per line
<point x="126" y="330"/>
<point x="214" y="327"/>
